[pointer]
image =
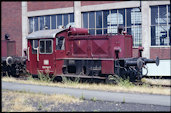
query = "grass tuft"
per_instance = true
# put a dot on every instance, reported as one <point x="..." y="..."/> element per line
<point x="122" y="86"/>
<point x="21" y="101"/>
<point x="82" y="97"/>
<point x="45" y="77"/>
<point x="125" y="83"/>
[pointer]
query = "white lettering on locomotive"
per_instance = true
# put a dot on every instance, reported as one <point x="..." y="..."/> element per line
<point x="44" y="67"/>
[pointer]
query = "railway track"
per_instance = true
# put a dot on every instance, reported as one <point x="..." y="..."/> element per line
<point x="148" y="81"/>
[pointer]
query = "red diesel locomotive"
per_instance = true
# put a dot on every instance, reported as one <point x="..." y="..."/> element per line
<point x="73" y="52"/>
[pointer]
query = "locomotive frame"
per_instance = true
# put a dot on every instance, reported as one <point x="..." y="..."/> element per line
<point x="73" y="52"/>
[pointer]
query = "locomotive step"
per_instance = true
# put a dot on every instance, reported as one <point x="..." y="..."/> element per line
<point x="81" y="76"/>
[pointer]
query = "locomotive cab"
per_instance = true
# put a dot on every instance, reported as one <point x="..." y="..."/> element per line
<point x="43" y="48"/>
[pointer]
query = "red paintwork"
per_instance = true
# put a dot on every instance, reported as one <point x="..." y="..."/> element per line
<point x="78" y="44"/>
<point x="107" y="67"/>
<point x="100" y="46"/>
<point x="78" y="31"/>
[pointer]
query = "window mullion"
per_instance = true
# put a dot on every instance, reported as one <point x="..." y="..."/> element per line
<point x="95" y="22"/>
<point x="50" y="17"/>
<point x="56" y="22"/>
<point x="158" y="25"/>
<point x="45" y="45"/>
<point x="102" y="24"/>
<point x="88" y="22"/>
<point x="44" y="22"/>
<point x="167" y="23"/>
<point x="82" y="20"/>
<point x="38" y="23"/>
<point x="33" y="24"/>
<point x="62" y="20"/>
<point x="68" y="18"/>
<point x="117" y="17"/>
<point x="125" y="21"/>
<point x="110" y="21"/>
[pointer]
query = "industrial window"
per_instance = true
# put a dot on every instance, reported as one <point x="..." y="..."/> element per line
<point x="30" y="25"/>
<point x="71" y="16"/>
<point x="50" y="21"/>
<point x="53" y="22"/>
<point x="59" y="20"/>
<point x="60" y="43"/>
<point x="99" y="22"/>
<point x="47" y="21"/>
<point x="160" y="25"/>
<point x="34" y="45"/>
<point x="36" y="24"/>
<point x="41" y="22"/>
<point x="107" y="21"/>
<point x="46" y="46"/>
<point x="92" y="22"/>
<point x="134" y="25"/>
<point x="65" y="19"/>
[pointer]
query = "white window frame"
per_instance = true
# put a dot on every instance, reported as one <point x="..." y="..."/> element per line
<point x="45" y="45"/>
<point x="156" y="46"/>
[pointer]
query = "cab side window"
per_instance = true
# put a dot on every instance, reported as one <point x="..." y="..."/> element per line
<point x="34" y="45"/>
<point x="60" y="43"/>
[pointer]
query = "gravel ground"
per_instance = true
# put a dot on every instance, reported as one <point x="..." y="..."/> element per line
<point x="41" y="105"/>
<point x="88" y="105"/>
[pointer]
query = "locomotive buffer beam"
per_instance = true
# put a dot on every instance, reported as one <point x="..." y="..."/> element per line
<point x="140" y="62"/>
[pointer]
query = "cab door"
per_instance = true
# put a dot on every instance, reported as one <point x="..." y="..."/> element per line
<point x="32" y="64"/>
<point x="45" y="56"/>
<point x="59" y="53"/>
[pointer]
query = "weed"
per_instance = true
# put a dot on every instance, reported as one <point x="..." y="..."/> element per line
<point x="125" y="83"/>
<point x="45" y="77"/>
<point x="123" y="100"/>
<point x="82" y="97"/>
<point x="30" y="78"/>
<point x="93" y="99"/>
<point x="39" y="106"/>
<point x="70" y="80"/>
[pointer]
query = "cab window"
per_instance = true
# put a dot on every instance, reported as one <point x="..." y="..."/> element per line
<point x="46" y="46"/>
<point x="60" y="43"/>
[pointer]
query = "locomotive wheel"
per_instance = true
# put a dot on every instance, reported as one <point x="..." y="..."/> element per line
<point x="112" y="79"/>
<point x="9" y="60"/>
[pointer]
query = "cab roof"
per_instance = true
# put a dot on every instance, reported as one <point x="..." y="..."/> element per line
<point x="44" y="34"/>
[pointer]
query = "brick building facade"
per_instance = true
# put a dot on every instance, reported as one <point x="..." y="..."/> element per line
<point x="11" y="23"/>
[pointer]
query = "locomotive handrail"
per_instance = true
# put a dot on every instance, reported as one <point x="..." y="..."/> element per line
<point x="37" y="53"/>
<point x="28" y="54"/>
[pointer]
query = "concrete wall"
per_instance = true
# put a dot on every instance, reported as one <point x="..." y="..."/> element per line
<point x="164" y="69"/>
<point x="24" y="26"/>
